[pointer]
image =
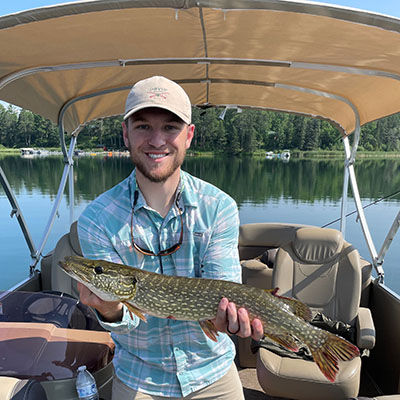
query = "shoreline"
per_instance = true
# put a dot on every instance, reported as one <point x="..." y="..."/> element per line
<point x="296" y="154"/>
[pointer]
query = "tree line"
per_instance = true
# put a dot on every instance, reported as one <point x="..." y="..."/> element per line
<point x="238" y="133"/>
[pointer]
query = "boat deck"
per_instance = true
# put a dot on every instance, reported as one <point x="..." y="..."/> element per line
<point x="251" y="388"/>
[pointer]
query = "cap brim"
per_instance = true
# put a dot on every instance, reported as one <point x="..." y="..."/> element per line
<point x="152" y="105"/>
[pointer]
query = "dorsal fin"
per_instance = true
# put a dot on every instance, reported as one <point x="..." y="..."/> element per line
<point x="296" y="306"/>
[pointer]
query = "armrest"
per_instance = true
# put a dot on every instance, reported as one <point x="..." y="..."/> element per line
<point x="365" y="329"/>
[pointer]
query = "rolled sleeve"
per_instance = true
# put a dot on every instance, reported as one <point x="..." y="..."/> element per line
<point x="127" y="323"/>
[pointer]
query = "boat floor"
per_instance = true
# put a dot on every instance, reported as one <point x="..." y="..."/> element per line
<point x="251" y="388"/>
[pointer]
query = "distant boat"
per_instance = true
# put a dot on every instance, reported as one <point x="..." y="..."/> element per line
<point x="284" y="156"/>
<point x="27" y="151"/>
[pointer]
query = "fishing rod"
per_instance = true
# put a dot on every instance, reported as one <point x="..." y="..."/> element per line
<point x="364" y="207"/>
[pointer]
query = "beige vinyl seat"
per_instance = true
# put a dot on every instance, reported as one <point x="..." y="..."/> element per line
<point x="320" y="269"/>
<point x="53" y="277"/>
<point x="21" y="389"/>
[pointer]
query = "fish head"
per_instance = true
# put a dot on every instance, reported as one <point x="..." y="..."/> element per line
<point x="109" y="281"/>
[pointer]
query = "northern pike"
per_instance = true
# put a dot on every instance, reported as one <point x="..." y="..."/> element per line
<point x="197" y="299"/>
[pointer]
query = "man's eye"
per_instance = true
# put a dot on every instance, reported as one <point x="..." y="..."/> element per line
<point x="172" y="128"/>
<point x="142" y="127"/>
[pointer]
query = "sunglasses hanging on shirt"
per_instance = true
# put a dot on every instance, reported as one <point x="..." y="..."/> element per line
<point x="161" y="253"/>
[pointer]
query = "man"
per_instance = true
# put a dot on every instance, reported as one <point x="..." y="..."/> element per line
<point x="164" y="220"/>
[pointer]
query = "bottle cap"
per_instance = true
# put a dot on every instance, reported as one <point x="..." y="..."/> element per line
<point x="82" y="368"/>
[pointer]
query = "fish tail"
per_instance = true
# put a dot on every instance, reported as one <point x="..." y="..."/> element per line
<point x="333" y="349"/>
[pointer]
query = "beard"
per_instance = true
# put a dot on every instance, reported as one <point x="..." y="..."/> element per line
<point x="158" y="175"/>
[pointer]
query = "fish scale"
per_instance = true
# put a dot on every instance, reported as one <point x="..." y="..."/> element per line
<point x="197" y="299"/>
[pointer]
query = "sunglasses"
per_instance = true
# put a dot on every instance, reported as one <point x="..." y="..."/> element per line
<point x="165" y="252"/>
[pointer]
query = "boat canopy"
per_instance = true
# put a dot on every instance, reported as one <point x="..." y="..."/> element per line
<point x="330" y="62"/>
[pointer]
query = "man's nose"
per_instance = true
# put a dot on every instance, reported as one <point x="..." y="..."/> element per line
<point x="157" y="138"/>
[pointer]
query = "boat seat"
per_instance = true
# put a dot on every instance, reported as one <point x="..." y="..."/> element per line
<point x="21" y="389"/>
<point x="320" y="269"/>
<point x="54" y="278"/>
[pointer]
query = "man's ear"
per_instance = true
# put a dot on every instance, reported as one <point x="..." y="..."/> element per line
<point x="125" y="133"/>
<point x="190" y="134"/>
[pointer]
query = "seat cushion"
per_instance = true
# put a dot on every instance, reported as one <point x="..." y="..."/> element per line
<point x="317" y="245"/>
<point x="21" y="389"/>
<point x="302" y="379"/>
<point x="68" y="245"/>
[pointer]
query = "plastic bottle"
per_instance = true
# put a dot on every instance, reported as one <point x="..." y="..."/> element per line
<point x="86" y="385"/>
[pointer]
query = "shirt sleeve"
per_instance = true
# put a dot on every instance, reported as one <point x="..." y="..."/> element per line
<point x="221" y="259"/>
<point x="96" y="245"/>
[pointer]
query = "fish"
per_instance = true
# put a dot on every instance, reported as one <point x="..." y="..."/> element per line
<point x="182" y="298"/>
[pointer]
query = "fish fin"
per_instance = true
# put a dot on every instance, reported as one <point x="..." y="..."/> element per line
<point x="209" y="329"/>
<point x="274" y="291"/>
<point x="327" y="356"/>
<point x="134" y="310"/>
<point x="296" y="306"/>
<point x="284" y="340"/>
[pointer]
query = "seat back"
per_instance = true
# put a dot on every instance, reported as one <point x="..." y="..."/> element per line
<point x="21" y="389"/>
<point x="320" y="269"/>
<point x="54" y="277"/>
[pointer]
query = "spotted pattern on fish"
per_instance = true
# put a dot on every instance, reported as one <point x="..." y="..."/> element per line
<point x="197" y="299"/>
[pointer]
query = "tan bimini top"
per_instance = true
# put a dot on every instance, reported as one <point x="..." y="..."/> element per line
<point x="331" y="62"/>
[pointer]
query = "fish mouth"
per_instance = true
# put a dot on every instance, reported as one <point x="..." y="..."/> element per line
<point x="63" y="265"/>
<point x="73" y="273"/>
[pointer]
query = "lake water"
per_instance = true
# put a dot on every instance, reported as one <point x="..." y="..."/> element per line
<point x="300" y="191"/>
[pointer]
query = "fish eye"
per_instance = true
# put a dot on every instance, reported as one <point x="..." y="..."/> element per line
<point x="98" y="270"/>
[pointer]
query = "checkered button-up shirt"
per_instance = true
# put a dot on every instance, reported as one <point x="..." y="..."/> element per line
<point x="165" y="357"/>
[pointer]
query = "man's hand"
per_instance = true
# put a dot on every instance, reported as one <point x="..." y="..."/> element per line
<point x="229" y="319"/>
<point x="111" y="311"/>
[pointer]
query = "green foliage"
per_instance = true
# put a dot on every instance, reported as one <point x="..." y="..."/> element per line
<point x="239" y="133"/>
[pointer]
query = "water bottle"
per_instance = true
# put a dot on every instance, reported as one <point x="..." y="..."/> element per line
<point x="86" y="385"/>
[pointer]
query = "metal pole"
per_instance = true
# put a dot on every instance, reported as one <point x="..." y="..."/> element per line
<point x="71" y="194"/>
<point x="388" y="240"/>
<point x="345" y="191"/>
<point x="56" y="204"/>
<point x="16" y="210"/>
<point x="360" y="210"/>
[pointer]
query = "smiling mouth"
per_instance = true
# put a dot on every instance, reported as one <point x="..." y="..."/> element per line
<point x="156" y="156"/>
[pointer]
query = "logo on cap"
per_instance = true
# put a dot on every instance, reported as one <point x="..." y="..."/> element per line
<point x="158" y="92"/>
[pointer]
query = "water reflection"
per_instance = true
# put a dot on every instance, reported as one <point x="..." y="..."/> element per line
<point x="246" y="180"/>
<point x="301" y="191"/>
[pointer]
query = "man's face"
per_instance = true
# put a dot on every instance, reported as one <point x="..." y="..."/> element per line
<point x="157" y="141"/>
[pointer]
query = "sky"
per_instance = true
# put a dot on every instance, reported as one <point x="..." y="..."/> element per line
<point x="389" y="7"/>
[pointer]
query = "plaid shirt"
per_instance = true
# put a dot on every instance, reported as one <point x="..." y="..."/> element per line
<point x="165" y="357"/>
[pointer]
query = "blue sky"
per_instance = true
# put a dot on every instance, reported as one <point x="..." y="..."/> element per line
<point x="390" y="7"/>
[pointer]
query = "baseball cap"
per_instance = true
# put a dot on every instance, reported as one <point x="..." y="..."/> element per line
<point x="160" y="92"/>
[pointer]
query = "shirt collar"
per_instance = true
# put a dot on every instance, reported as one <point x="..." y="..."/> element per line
<point x="188" y="194"/>
<point x="187" y="197"/>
